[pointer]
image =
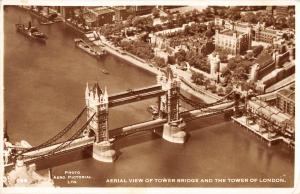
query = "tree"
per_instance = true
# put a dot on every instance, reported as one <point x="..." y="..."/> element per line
<point x="155" y="12"/>
<point x="228" y="114"/>
<point x="129" y="19"/>
<point x="158" y="27"/>
<point x="213" y="88"/>
<point x="144" y="23"/>
<point x="194" y="15"/>
<point x="39" y="8"/>
<point x="170" y="17"/>
<point x="81" y="20"/>
<point x="249" y="17"/>
<point x="239" y="73"/>
<point x="291" y="22"/>
<point x="207" y="12"/>
<point x="228" y="89"/>
<point x="235" y="62"/>
<point x="281" y="23"/>
<point x="139" y="48"/>
<point x="160" y="62"/>
<point x="233" y="13"/>
<point x="250" y="85"/>
<point x="231" y="64"/>
<point x="198" y="61"/>
<point x="291" y="11"/>
<point x="171" y="60"/>
<point x="249" y="55"/>
<point x="257" y="50"/>
<point x="220" y="91"/>
<point x="163" y="18"/>
<point x="209" y="32"/>
<point x="197" y="78"/>
<point x="221" y="12"/>
<point x="180" y="56"/>
<point x="223" y="56"/>
<point x="265" y="18"/>
<point x="187" y="30"/>
<point x="207" y="83"/>
<point x="180" y="20"/>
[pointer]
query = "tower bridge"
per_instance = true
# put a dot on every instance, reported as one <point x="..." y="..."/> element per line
<point x="95" y="136"/>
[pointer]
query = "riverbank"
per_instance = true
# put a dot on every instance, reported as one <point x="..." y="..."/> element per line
<point x="198" y="95"/>
<point x="134" y="60"/>
<point x="195" y="90"/>
<point x="128" y="57"/>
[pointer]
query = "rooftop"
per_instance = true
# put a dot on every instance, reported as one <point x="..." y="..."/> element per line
<point x="119" y="7"/>
<point x="270" y="111"/>
<point x="242" y="24"/>
<point x="101" y="10"/>
<point x="264" y="60"/>
<point x="95" y="88"/>
<point x="230" y="32"/>
<point x="186" y="9"/>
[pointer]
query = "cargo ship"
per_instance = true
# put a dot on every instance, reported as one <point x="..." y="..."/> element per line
<point x="31" y="32"/>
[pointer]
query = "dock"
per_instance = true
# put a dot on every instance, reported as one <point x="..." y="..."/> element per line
<point x="270" y="138"/>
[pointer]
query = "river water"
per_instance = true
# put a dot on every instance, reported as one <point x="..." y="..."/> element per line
<point x="44" y="91"/>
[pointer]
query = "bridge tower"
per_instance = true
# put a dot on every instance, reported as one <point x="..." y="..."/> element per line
<point x="97" y="103"/>
<point x="173" y="130"/>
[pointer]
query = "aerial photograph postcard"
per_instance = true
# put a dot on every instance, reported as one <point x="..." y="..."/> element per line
<point x="148" y="96"/>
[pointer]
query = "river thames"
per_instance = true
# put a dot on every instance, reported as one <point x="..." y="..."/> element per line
<point x="44" y="90"/>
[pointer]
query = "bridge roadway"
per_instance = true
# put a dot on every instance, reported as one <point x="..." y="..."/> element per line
<point x="82" y="143"/>
<point x="205" y="112"/>
<point x="85" y="143"/>
<point x="135" y="95"/>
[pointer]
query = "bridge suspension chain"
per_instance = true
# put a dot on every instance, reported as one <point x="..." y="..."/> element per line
<point x="197" y="105"/>
<point x="210" y="110"/>
<point x="191" y="102"/>
<point x="63" y="144"/>
<point x="72" y="138"/>
<point x="58" y="135"/>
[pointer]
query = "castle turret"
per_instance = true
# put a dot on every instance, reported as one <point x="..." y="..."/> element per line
<point x="97" y="106"/>
<point x="87" y="94"/>
<point x="254" y="72"/>
<point x="173" y="130"/>
<point x="291" y="50"/>
<point x="214" y="62"/>
<point x="276" y="57"/>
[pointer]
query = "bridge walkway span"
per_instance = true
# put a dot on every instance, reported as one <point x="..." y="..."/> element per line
<point x="134" y="92"/>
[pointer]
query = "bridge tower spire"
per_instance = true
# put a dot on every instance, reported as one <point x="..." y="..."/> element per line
<point x="173" y="130"/>
<point x="97" y="105"/>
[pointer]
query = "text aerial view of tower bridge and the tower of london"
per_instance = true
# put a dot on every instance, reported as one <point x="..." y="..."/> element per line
<point x="149" y="96"/>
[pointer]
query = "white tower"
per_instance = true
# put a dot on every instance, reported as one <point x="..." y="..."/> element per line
<point x="214" y="62"/>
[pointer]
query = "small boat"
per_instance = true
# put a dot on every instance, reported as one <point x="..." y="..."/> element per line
<point x="104" y="71"/>
<point x="152" y="109"/>
<point x="56" y="20"/>
<point x="31" y="32"/>
<point x="87" y="48"/>
<point x="47" y="22"/>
